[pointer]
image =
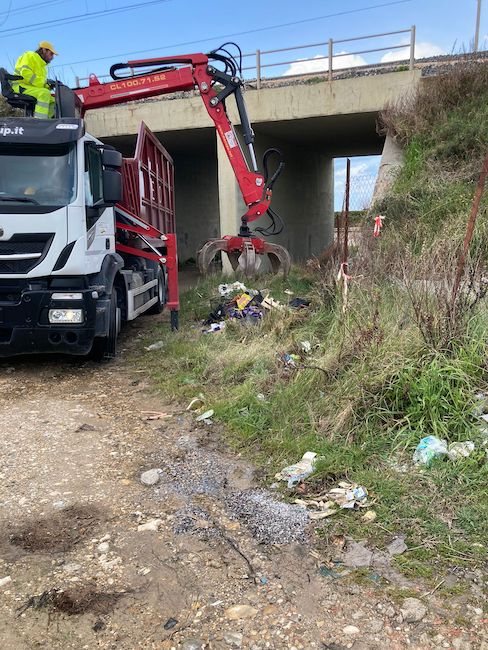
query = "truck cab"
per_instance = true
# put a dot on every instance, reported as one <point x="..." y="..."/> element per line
<point x="63" y="285"/>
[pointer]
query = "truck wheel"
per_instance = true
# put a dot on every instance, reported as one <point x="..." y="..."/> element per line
<point x="105" y="347"/>
<point x="158" y="306"/>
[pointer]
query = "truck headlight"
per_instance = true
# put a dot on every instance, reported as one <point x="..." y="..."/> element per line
<point x="71" y="316"/>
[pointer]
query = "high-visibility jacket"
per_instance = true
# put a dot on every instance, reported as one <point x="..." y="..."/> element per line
<point x="33" y="70"/>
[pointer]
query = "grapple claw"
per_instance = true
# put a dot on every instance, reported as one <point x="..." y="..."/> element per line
<point x="244" y="254"/>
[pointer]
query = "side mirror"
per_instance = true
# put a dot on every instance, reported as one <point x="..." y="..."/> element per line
<point x="112" y="186"/>
<point x="111" y="158"/>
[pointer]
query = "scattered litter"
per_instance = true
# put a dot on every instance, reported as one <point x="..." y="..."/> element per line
<point x="227" y="289"/>
<point x="243" y="300"/>
<point x="333" y="571"/>
<point x="429" y="448"/>
<point x="369" y="515"/>
<point x="155" y="415"/>
<point x="397" y="546"/>
<point x="215" y="327"/>
<point x="306" y="346"/>
<point x="299" y="303"/>
<point x="481" y="406"/>
<point x="289" y="292"/>
<point x="459" y="450"/>
<point x="349" y="495"/>
<point x="170" y="623"/>
<point x="206" y="417"/>
<point x="260" y="397"/>
<point x="153" y="525"/>
<point x="195" y="403"/>
<point x="290" y="360"/>
<point x="345" y="496"/>
<point x="294" y="474"/>
<point x="270" y="303"/>
<point x="155" y="346"/>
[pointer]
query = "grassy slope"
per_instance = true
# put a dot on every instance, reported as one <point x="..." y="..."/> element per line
<point x="385" y="385"/>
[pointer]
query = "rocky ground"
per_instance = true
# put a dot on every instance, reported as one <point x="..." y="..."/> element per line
<point x="98" y="551"/>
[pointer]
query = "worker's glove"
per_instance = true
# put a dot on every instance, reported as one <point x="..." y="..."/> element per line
<point x="51" y="83"/>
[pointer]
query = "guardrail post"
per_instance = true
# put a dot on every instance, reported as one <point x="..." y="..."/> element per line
<point x="258" y="69"/>
<point x="331" y="56"/>
<point x="412" y="47"/>
<point x="77" y="82"/>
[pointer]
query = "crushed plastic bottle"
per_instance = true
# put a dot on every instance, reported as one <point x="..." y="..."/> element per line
<point x="295" y="474"/>
<point x="459" y="450"/>
<point x="429" y="448"/>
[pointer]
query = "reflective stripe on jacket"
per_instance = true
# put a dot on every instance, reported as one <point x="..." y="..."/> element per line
<point x="32" y="68"/>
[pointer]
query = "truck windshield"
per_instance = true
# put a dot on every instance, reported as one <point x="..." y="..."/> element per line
<point x="41" y="175"/>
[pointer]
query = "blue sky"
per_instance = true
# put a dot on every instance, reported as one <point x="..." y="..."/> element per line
<point x="164" y="27"/>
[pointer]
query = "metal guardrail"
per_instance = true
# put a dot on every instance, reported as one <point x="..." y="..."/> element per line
<point x="330" y="57"/>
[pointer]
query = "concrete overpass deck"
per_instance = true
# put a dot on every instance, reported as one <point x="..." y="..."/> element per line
<point x="312" y="123"/>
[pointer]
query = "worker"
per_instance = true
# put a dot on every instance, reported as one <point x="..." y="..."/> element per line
<point x="32" y="67"/>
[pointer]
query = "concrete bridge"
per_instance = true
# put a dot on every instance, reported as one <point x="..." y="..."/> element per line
<point x="310" y="119"/>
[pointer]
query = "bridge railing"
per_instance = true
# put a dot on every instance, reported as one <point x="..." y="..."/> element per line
<point x="264" y="60"/>
<point x="330" y="59"/>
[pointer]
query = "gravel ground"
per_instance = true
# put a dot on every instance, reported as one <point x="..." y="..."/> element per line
<point x="205" y="558"/>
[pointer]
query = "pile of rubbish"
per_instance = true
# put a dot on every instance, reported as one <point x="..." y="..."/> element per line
<point x="346" y="496"/>
<point x="432" y="447"/>
<point x="237" y="302"/>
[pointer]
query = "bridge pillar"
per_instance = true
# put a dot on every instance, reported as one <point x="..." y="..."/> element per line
<point x="303" y="196"/>
<point x="391" y="162"/>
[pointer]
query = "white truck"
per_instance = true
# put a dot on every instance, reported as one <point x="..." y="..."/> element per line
<point x="75" y="259"/>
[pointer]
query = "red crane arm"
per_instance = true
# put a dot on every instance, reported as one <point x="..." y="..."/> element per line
<point x="193" y="72"/>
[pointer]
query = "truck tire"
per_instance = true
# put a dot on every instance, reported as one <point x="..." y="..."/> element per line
<point x="105" y="347"/>
<point x="158" y="307"/>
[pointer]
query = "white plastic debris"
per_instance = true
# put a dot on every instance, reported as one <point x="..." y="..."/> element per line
<point x="306" y="346"/>
<point x="227" y="289"/>
<point x="294" y="474"/>
<point x="215" y="327"/>
<point x="205" y="416"/>
<point x="429" y="448"/>
<point x="349" y="495"/>
<point x="459" y="450"/>
<point x="195" y="403"/>
<point x="155" y="346"/>
<point x="344" y="496"/>
<point x="153" y="525"/>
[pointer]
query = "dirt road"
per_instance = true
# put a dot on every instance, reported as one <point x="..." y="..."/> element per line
<point x="92" y="558"/>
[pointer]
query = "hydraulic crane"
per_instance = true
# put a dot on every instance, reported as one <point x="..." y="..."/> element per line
<point x="146" y="78"/>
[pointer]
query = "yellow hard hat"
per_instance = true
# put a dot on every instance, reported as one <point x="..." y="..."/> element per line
<point x="47" y="46"/>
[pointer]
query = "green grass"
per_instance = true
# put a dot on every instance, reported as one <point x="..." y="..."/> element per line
<point x="383" y="384"/>
<point x="382" y="392"/>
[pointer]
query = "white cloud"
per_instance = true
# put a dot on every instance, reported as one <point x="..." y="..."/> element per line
<point x="319" y="64"/>
<point x="422" y="51"/>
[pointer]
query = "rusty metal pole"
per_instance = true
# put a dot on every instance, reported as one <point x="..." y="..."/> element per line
<point x="258" y="69"/>
<point x="346" y="215"/>
<point x="469" y="230"/>
<point x="331" y="57"/>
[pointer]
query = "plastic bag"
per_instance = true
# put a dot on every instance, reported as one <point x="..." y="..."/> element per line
<point x="429" y="448"/>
